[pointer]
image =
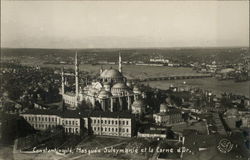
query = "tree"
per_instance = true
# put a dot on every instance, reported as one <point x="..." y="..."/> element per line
<point x="238" y="124"/>
<point x="170" y="134"/>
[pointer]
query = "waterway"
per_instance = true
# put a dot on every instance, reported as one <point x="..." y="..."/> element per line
<point x="134" y="71"/>
<point x="212" y="84"/>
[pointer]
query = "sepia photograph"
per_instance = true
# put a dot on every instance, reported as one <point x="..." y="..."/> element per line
<point x="124" y="80"/>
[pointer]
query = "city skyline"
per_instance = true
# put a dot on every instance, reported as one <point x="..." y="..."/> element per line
<point x="123" y="24"/>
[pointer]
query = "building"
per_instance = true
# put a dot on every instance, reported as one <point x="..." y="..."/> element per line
<point x="44" y="119"/>
<point x="163" y="107"/>
<point x="152" y="134"/>
<point x="159" y="60"/>
<point x="112" y="124"/>
<point x="246" y="121"/>
<point x="139" y="107"/>
<point x="110" y="90"/>
<point x="170" y="117"/>
<point x="97" y="122"/>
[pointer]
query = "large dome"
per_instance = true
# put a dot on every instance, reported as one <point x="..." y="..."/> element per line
<point x="111" y="73"/>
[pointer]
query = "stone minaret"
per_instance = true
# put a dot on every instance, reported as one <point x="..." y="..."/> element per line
<point x="76" y="83"/>
<point x="62" y="82"/>
<point x="120" y="63"/>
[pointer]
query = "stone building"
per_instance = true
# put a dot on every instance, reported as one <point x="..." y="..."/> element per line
<point x="138" y="107"/>
<point x="44" y="119"/>
<point x="163" y="107"/>
<point x="97" y="122"/>
<point x="168" y="116"/>
<point x="112" y="124"/>
<point x="111" y="90"/>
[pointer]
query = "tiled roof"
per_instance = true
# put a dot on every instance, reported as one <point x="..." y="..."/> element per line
<point x="171" y="112"/>
<point x="78" y="114"/>
<point x="64" y="114"/>
<point x="111" y="114"/>
<point x="148" y="131"/>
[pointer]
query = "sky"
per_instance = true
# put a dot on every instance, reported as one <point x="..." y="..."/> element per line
<point x="124" y="24"/>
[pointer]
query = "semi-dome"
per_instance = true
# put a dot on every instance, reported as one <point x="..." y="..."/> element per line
<point x="119" y="85"/>
<point x="136" y="90"/>
<point x="104" y="94"/>
<point x="111" y="73"/>
<point x="120" y="89"/>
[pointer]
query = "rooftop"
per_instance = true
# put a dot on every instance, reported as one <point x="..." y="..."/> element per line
<point x="171" y="112"/>
<point x="111" y="114"/>
<point x="78" y="114"/>
<point x="64" y="114"/>
<point x="111" y="73"/>
<point x="148" y="131"/>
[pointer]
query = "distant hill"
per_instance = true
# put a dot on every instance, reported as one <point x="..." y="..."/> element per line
<point x="231" y="54"/>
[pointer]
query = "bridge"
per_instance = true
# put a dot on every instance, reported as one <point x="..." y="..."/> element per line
<point x="173" y="77"/>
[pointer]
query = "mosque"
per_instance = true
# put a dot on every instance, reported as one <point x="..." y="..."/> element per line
<point x="111" y="91"/>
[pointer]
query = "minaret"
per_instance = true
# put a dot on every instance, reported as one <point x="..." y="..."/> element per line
<point x="76" y="83"/>
<point x="65" y="81"/>
<point x="120" y="63"/>
<point x="62" y="82"/>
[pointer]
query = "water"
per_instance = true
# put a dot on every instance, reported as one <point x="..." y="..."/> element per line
<point x="217" y="87"/>
<point x="133" y="71"/>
